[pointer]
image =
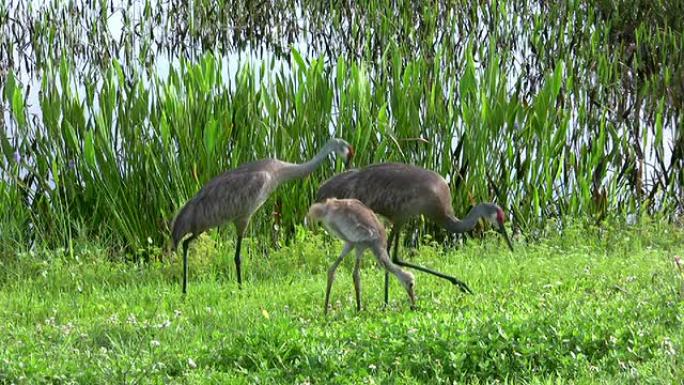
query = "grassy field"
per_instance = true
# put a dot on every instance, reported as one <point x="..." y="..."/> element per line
<point x="116" y="112"/>
<point x="593" y="306"/>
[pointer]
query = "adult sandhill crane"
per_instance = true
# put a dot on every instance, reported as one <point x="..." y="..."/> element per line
<point x="357" y="225"/>
<point x="236" y="194"/>
<point x="399" y="192"/>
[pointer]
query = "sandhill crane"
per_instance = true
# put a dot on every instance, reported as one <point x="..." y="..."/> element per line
<point x="357" y="225"/>
<point x="399" y="192"/>
<point x="236" y="194"/>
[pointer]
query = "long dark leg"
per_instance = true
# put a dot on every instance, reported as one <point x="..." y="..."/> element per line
<point x="396" y="246"/>
<point x="464" y="288"/>
<point x="394" y="237"/>
<point x="186" y="243"/>
<point x="393" y="234"/>
<point x="238" y="244"/>
<point x="357" y="277"/>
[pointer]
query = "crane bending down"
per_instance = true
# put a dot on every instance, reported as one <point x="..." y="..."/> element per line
<point x="236" y="194"/>
<point x="400" y="192"/>
<point x="357" y="225"/>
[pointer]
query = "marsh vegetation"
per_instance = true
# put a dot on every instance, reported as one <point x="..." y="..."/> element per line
<point x="567" y="114"/>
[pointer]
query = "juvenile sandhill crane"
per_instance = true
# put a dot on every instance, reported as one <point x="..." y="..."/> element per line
<point x="357" y="225"/>
<point x="400" y="192"/>
<point x="236" y="194"/>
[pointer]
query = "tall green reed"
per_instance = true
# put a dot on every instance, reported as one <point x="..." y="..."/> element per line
<point x="576" y="121"/>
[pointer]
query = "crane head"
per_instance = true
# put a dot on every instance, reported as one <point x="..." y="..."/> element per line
<point x="409" y="283"/>
<point x="345" y="150"/>
<point x="496" y="217"/>
<point x="316" y="212"/>
<point x="349" y="157"/>
<point x="499" y="220"/>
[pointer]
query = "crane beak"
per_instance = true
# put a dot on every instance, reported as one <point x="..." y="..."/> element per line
<point x="502" y="231"/>
<point x="350" y="156"/>
<point x="412" y="296"/>
<point x="309" y="222"/>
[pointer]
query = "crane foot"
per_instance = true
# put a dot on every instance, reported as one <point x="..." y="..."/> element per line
<point x="461" y="285"/>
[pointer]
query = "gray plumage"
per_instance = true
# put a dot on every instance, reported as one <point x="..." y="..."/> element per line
<point x="400" y="192"/>
<point x="357" y="225"/>
<point x="235" y="195"/>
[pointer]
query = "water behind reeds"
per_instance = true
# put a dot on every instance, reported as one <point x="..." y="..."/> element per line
<point x="115" y="112"/>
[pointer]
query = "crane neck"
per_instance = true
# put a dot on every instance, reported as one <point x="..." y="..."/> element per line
<point x="455" y="225"/>
<point x="380" y="252"/>
<point x="291" y="171"/>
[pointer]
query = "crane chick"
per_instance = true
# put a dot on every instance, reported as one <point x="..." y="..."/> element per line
<point x="353" y="222"/>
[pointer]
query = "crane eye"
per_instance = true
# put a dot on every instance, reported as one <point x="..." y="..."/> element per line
<point x="500" y="216"/>
<point x="350" y="151"/>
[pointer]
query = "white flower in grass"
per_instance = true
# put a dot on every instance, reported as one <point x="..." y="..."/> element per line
<point x="154" y="343"/>
<point x="67" y="328"/>
<point x="164" y="324"/>
<point x="132" y="319"/>
<point x="668" y="347"/>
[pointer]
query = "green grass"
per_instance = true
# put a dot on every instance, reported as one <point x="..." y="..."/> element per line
<point x="594" y="306"/>
<point x="555" y="111"/>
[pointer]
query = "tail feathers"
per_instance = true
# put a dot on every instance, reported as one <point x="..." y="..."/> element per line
<point x="180" y="226"/>
<point x="336" y="187"/>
